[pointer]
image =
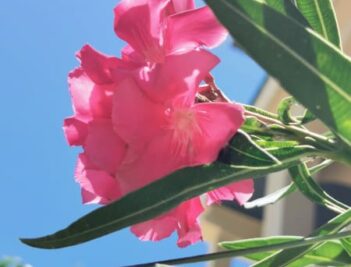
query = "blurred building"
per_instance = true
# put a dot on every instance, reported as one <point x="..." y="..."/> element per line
<point x="294" y="215"/>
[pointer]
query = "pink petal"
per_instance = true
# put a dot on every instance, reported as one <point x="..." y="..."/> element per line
<point x="75" y="131"/>
<point x="143" y="33"/>
<point x="155" y="229"/>
<point x="104" y="148"/>
<point x="193" y="28"/>
<point x="97" y="186"/>
<point x="80" y="87"/>
<point x="179" y="76"/>
<point x="89" y="100"/>
<point x="240" y="191"/>
<point x="183" y="219"/>
<point x="155" y="161"/>
<point x="182" y="5"/>
<point x="97" y="65"/>
<point x="189" y="231"/>
<point x="135" y="117"/>
<point x="217" y="123"/>
<point x="130" y="55"/>
<point x="90" y="198"/>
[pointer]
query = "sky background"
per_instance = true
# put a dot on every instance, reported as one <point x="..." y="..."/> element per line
<point x="38" y="41"/>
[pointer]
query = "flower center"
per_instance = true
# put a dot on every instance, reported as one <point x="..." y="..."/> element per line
<point x="184" y="124"/>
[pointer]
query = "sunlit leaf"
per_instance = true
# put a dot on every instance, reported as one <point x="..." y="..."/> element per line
<point x="310" y="68"/>
<point x="271" y="198"/>
<point x="303" y="180"/>
<point x="260" y="249"/>
<point x="321" y="17"/>
<point x="160" y="197"/>
<point x="288" y="256"/>
<point x="330" y="253"/>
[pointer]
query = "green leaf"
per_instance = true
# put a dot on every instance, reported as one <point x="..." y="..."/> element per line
<point x="346" y="243"/>
<point x="258" y="242"/>
<point x="287" y="8"/>
<point x="279" y="194"/>
<point x="161" y="196"/>
<point x="286" y="149"/>
<point x="331" y="253"/>
<point x="310" y="68"/>
<point x="147" y="203"/>
<point x="307" y="117"/>
<point x="253" y="125"/>
<point x="286" y="257"/>
<point x="271" y="198"/>
<point x="305" y="183"/>
<point x="253" y="250"/>
<point x="243" y="152"/>
<point x="284" y="110"/>
<point x="321" y="16"/>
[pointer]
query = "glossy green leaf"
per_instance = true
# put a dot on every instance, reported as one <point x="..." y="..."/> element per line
<point x="243" y="152"/>
<point x="271" y="198"/>
<point x="330" y="253"/>
<point x="321" y="16"/>
<point x="287" y="8"/>
<point x="155" y="199"/>
<point x="165" y="194"/>
<point x="310" y="68"/>
<point x="254" y="250"/>
<point x="303" y="180"/>
<point x="288" y="256"/>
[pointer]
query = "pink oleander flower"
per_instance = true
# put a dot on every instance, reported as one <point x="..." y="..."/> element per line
<point x="165" y="27"/>
<point x="91" y="87"/>
<point x="166" y="130"/>
<point x="136" y="117"/>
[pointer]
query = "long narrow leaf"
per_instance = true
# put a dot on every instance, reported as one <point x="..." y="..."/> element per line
<point x="330" y="253"/>
<point x="258" y="249"/>
<point x="271" y="198"/>
<point x="303" y="180"/>
<point x="321" y="16"/>
<point x="287" y="8"/>
<point x="285" y="257"/>
<point x="311" y="69"/>
<point x="157" y="198"/>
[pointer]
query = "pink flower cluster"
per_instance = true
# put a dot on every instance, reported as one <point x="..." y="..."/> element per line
<point x="137" y="118"/>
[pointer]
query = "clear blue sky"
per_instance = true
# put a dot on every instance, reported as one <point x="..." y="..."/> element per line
<point x="38" y="40"/>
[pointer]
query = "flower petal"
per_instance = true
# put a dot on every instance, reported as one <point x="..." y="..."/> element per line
<point x="241" y="191"/>
<point x="217" y="124"/>
<point x="97" y="65"/>
<point x="143" y="33"/>
<point x="155" y="161"/>
<point x="193" y="28"/>
<point x="183" y="219"/>
<point x="135" y="117"/>
<point x="182" y="5"/>
<point x="75" y="131"/>
<point x="104" y="148"/>
<point x="155" y="229"/>
<point x="97" y="186"/>
<point x="178" y="77"/>
<point x="89" y="100"/>
<point x="189" y="231"/>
